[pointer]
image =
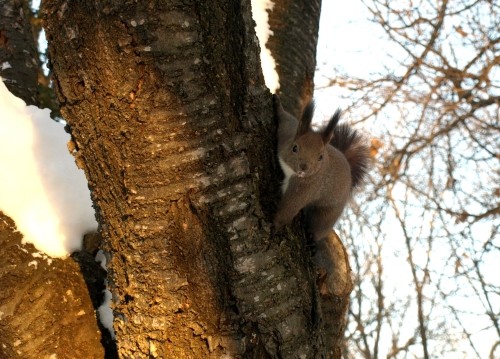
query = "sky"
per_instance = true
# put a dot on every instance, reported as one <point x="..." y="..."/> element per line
<point x="349" y="43"/>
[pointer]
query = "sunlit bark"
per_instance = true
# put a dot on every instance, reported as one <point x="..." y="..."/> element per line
<point x="174" y="128"/>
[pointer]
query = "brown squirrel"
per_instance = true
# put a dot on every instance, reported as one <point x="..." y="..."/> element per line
<point x="321" y="169"/>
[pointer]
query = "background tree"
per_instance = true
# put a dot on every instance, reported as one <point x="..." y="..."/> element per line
<point x="21" y="63"/>
<point x="431" y="209"/>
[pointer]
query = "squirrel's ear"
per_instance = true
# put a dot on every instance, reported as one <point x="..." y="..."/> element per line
<point x="276" y="101"/>
<point x="305" y="120"/>
<point x="327" y="132"/>
<point x="278" y="108"/>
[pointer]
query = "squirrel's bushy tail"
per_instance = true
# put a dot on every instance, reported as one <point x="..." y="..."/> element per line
<point x="352" y="144"/>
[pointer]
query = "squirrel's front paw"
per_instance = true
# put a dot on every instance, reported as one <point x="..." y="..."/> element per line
<point x="274" y="230"/>
<point x="277" y="225"/>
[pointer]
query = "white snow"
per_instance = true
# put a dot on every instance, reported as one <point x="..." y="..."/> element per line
<point x="261" y="17"/>
<point x="106" y="313"/>
<point x="100" y="258"/>
<point x="5" y="66"/>
<point x="41" y="188"/>
<point x="104" y="310"/>
<point x="41" y="255"/>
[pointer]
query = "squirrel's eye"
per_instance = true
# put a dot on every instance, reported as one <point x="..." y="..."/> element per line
<point x="295" y="148"/>
<point x="320" y="157"/>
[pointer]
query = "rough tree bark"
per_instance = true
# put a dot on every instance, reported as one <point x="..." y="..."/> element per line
<point x="173" y="126"/>
<point x="45" y="308"/>
<point x="19" y="62"/>
<point x="295" y="26"/>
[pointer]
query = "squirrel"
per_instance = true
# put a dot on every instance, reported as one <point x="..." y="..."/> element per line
<point x="321" y="169"/>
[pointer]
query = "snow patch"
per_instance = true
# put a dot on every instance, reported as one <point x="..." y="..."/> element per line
<point x="260" y="15"/>
<point x="106" y="313"/>
<point x="104" y="310"/>
<point x="43" y="256"/>
<point x="41" y="188"/>
<point x="100" y="258"/>
<point x="21" y="248"/>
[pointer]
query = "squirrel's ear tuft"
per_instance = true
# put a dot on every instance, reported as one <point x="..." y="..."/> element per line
<point x="278" y="108"/>
<point x="328" y="130"/>
<point x="276" y="102"/>
<point x="305" y="120"/>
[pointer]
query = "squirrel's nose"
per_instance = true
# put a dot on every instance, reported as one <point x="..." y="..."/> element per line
<point x="303" y="166"/>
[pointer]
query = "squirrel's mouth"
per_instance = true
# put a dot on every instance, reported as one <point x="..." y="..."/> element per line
<point x="301" y="174"/>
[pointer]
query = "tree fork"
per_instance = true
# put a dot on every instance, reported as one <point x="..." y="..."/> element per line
<point x="172" y="124"/>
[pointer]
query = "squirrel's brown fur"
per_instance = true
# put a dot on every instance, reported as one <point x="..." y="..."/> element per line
<point x="321" y="169"/>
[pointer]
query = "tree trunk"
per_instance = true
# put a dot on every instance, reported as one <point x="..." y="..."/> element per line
<point x="173" y="127"/>
<point x="19" y="62"/>
<point x="45" y="308"/>
<point x="295" y="27"/>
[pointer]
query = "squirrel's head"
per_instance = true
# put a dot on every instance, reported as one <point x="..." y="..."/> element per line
<point x="306" y="154"/>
